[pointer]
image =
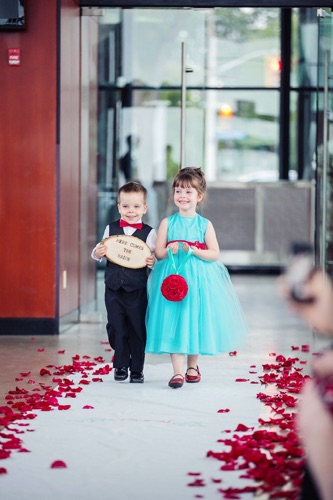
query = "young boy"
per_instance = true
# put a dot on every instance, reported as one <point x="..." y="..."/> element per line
<point x="125" y="289"/>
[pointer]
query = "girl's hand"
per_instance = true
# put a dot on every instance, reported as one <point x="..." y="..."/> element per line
<point x="174" y="247"/>
<point x="150" y="261"/>
<point x="186" y="246"/>
<point x="101" y="250"/>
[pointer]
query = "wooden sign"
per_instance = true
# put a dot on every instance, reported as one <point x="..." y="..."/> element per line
<point x="127" y="251"/>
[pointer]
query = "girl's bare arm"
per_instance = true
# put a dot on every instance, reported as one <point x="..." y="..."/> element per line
<point x="212" y="252"/>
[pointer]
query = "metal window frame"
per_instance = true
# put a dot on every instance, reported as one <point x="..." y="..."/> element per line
<point x="204" y="3"/>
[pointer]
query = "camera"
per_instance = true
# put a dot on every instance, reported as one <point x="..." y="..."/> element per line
<point x="299" y="269"/>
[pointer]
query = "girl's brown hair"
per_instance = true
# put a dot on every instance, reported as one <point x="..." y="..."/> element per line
<point x="191" y="177"/>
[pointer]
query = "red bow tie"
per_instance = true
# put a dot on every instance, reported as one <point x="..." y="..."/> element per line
<point x="123" y="223"/>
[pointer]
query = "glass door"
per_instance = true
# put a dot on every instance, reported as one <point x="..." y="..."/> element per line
<point x="324" y="177"/>
<point x="231" y="99"/>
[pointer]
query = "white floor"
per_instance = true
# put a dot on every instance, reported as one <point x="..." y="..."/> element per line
<point x="141" y="441"/>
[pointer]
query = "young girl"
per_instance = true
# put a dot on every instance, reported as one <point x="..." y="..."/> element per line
<point x="209" y="319"/>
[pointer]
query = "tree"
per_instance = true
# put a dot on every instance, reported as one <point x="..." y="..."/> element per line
<point x="244" y="24"/>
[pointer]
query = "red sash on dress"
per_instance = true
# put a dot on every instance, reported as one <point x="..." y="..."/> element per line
<point x="196" y="244"/>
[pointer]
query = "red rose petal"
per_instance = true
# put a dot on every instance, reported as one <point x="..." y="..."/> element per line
<point x="242" y="428"/>
<point x="197" y="482"/>
<point x="3" y="470"/>
<point x="223" y="411"/>
<point x="43" y="371"/>
<point x="229" y="467"/>
<point x="88" y="407"/>
<point x="273" y="460"/>
<point x="58" y="464"/>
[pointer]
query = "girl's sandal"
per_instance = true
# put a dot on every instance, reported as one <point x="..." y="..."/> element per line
<point x="192" y="379"/>
<point x="176" y="381"/>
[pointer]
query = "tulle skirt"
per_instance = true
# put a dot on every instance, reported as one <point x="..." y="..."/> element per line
<point x="209" y="320"/>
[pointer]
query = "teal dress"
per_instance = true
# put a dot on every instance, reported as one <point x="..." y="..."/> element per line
<point x="209" y="320"/>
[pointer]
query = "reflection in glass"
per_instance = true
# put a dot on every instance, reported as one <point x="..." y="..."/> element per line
<point x="232" y="97"/>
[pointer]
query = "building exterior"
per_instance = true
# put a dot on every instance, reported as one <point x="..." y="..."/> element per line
<point x="83" y="82"/>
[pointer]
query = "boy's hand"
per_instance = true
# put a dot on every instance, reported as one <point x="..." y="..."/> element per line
<point x="101" y="250"/>
<point x="150" y="261"/>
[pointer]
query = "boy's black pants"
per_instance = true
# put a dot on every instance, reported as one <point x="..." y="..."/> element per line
<point x="126" y="328"/>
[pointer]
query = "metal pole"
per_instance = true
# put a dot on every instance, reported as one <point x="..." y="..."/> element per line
<point x="284" y="129"/>
<point x="183" y="108"/>
<point x="325" y="161"/>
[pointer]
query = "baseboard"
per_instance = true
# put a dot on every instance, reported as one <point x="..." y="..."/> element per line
<point x="29" y="326"/>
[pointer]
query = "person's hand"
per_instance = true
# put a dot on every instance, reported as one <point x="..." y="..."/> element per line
<point x="315" y="428"/>
<point x="318" y="314"/>
<point x="174" y="247"/>
<point x="101" y="250"/>
<point x="150" y="261"/>
<point x="311" y="410"/>
<point x="186" y="246"/>
<point x="322" y="366"/>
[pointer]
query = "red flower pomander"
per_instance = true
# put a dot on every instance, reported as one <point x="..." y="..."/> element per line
<point x="174" y="288"/>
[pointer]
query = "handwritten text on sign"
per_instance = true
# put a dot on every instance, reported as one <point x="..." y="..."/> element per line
<point x="127" y="251"/>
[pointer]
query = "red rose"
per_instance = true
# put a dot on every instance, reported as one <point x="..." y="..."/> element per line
<point x="174" y="288"/>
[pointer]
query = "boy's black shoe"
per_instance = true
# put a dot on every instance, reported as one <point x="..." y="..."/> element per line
<point x="136" y="378"/>
<point x="121" y="373"/>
